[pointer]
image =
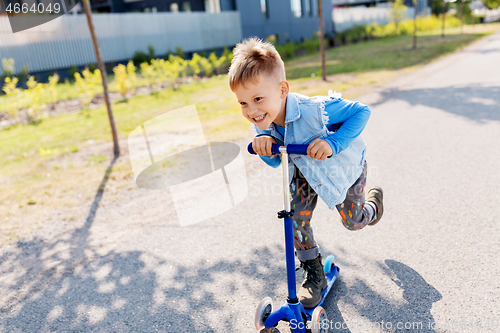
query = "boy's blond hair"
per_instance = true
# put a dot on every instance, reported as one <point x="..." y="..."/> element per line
<point x="253" y="58"/>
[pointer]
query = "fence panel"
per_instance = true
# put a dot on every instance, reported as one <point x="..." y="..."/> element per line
<point x="65" y="41"/>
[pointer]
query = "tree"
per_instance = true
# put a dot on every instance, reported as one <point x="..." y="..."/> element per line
<point x="116" y="147"/>
<point x="396" y="13"/>
<point x="492" y="4"/>
<point x="322" y="39"/>
<point x="415" y="2"/>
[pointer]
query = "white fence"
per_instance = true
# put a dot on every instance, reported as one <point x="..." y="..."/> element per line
<point x="66" y="42"/>
<point x="347" y="18"/>
<point x="492" y="15"/>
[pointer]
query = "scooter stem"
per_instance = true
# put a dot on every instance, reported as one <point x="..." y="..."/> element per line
<point x="289" y="249"/>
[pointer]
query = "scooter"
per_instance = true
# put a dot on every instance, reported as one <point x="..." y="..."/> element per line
<point x="292" y="310"/>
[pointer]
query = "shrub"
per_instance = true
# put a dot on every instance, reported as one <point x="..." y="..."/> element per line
<point x="179" y="52"/>
<point x="89" y="85"/>
<point x="311" y="45"/>
<point x="151" y="51"/>
<point x="34" y="95"/>
<point x="8" y="67"/>
<point x="52" y="85"/>
<point x="206" y="66"/>
<point x="148" y="71"/>
<point x="92" y="67"/>
<point x="141" y="57"/>
<point x="195" y="65"/>
<point x="72" y="71"/>
<point x="228" y="54"/>
<point x="287" y="50"/>
<point x="122" y="80"/>
<point x="14" y="95"/>
<point x="217" y="62"/>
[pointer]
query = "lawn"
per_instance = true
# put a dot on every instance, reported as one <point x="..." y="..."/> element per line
<point x="56" y="164"/>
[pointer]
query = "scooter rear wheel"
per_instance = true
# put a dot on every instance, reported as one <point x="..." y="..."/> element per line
<point x="263" y="311"/>
<point x="329" y="264"/>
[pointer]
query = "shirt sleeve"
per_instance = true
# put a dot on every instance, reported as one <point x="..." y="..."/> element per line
<point x="347" y="118"/>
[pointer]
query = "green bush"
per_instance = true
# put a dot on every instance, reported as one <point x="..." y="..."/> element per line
<point x="311" y="45"/>
<point x="179" y="52"/>
<point x="287" y="50"/>
<point x="72" y="71"/>
<point x="92" y="67"/>
<point x="141" y="57"/>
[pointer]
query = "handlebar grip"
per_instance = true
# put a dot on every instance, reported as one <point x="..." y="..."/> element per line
<point x="290" y="149"/>
<point x="297" y="149"/>
<point x="275" y="149"/>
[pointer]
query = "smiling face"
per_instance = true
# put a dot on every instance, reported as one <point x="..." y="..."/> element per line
<point x="263" y="101"/>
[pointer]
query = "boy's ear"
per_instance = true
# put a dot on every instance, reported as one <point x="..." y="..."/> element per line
<point x="284" y="88"/>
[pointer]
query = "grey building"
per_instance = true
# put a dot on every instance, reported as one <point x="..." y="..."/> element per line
<point x="286" y="19"/>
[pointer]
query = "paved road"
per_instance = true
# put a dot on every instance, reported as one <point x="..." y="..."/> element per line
<point x="432" y="261"/>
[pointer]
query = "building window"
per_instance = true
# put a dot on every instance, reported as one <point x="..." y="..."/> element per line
<point x="264" y="9"/>
<point x="212" y="6"/>
<point x="174" y="7"/>
<point x="296" y="7"/>
<point x="186" y="6"/>
<point x="308" y="7"/>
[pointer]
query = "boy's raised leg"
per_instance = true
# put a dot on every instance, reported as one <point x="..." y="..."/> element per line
<point x="356" y="212"/>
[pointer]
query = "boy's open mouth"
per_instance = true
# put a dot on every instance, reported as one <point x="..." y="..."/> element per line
<point x="260" y="118"/>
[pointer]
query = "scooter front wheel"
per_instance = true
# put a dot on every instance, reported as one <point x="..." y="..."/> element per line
<point x="319" y="321"/>
<point x="263" y="311"/>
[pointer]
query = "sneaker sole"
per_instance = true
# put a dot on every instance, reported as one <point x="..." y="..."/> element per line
<point x="380" y="210"/>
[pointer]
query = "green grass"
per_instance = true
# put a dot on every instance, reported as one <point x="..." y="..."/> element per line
<point x="216" y="105"/>
<point x="49" y="163"/>
<point x="383" y="54"/>
<point x="50" y="138"/>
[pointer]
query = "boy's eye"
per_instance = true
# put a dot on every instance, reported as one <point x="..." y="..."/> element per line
<point x="243" y="103"/>
<point x="258" y="99"/>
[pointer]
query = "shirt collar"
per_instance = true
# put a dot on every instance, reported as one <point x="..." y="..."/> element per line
<point x="292" y="108"/>
<point x="292" y="112"/>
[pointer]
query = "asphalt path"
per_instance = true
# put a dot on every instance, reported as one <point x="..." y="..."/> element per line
<point x="430" y="265"/>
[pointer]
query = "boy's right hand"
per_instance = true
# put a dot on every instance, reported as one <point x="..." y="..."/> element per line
<point x="262" y="145"/>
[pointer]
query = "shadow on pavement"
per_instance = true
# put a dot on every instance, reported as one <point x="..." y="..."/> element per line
<point x="67" y="285"/>
<point x="477" y="103"/>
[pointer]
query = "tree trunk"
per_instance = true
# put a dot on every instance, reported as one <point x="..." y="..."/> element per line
<point x="321" y="39"/>
<point x="444" y="16"/>
<point x="415" y="25"/>
<point x="462" y="15"/>
<point x="88" y="13"/>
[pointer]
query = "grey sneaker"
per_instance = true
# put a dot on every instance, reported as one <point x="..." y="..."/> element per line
<point x="310" y="290"/>
<point x="376" y="196"/>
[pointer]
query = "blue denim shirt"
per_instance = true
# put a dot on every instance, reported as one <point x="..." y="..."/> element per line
<point x="335" y="120"/>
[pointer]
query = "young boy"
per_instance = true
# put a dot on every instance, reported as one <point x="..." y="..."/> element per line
<point x="334" y="168"/>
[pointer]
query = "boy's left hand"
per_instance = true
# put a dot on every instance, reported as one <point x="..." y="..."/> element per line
<point x="319" y="149"/>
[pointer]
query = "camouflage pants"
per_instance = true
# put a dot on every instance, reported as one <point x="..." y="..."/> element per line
<point x="355" y="214"/>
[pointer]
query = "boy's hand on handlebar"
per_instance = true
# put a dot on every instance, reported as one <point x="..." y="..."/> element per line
<point x="319" y="149"/>
<point x="262" y="145"/>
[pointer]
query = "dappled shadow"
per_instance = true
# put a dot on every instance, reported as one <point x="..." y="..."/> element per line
<point x="379" y="313"/>
<point x="136" y="291"/>
<point x="476" y="102"/>
<point x="67" y="284"/>
<point x="121" y="292"/>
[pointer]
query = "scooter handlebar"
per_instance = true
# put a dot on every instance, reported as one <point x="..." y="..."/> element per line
<point x="290" y="149"/>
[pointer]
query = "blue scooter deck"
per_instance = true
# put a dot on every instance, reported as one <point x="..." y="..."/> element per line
<point x="331" y="277"/>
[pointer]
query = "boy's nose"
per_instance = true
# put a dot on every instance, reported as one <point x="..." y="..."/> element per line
<point x="253" y="113"/>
